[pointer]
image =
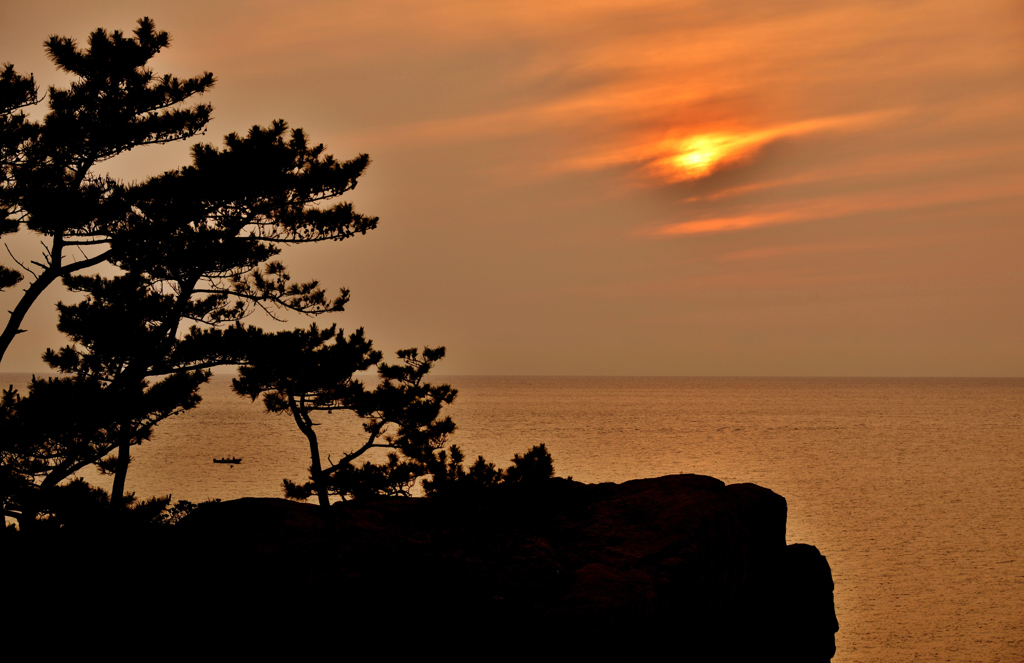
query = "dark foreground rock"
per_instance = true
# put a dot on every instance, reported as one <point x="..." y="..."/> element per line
<point x="683" y="565"/>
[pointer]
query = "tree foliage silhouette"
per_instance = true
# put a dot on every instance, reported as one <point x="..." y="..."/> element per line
<point x="16" y="94"/>
<point x="49" y="184"/>
<point x="194" y="247"/>
<point x="198" y="247"/>
<point x="307" y="371"/>
<point x="195" y="252"/>
<point x="68" y="423"/>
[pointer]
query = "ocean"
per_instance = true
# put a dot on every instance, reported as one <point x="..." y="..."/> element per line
<point x="912" y="488"/>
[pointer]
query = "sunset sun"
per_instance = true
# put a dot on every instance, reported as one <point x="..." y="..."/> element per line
<point x="698" y="156"/>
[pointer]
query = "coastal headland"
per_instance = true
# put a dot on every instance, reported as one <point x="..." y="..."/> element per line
<point x="680" y="561"/>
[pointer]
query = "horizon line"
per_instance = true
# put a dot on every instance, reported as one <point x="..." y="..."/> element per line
<point x="637" y="375"/>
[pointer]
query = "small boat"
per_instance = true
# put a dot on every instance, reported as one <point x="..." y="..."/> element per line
<point x="228" y="461"/>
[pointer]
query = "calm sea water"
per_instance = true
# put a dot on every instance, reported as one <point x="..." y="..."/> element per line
<point x="912" y="488"/>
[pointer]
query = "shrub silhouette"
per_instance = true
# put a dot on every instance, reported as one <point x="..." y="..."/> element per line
<point x="449" y="476"/>
<point x="532" y="467"/>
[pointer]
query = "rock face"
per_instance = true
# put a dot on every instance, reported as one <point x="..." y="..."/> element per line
<point x="682" y="564"/>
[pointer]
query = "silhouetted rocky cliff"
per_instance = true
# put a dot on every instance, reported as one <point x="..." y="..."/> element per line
<point x="683" y="566"/>
<point x="684" y="562"/>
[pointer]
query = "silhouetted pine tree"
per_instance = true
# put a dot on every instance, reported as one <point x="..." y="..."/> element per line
<point x="195" y="247"/>
<point x="303" y="371"/>
<point x="49" y="184"/>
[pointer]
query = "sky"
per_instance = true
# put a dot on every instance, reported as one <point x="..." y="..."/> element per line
<point x="641" y="187"/>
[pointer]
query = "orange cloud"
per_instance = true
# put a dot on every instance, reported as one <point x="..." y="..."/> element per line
<point x="905" y="198"/>
<point x="723" y="224"/>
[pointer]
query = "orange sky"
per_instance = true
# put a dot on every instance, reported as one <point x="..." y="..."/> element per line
<point x="600" y="187"/>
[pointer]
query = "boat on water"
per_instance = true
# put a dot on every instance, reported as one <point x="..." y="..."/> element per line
<point x="228" y="461"/>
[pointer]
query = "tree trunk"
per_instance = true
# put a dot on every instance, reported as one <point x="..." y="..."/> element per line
<point x="46" y="278"/>
<point x="27" y="518"/>
<point x="120" y="474"/>
<point x="305" y="424"/>
<point x="32" y="293"/>
<point x="139" y="370"/>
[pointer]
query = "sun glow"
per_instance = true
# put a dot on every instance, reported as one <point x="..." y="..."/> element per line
<point x="691" y="153"/>
<point x="698" y="156"/>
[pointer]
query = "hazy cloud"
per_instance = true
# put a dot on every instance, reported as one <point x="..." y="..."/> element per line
<point x="557" y="180"/>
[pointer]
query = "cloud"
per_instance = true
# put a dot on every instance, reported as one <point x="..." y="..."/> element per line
<point x="902" y="198"/>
